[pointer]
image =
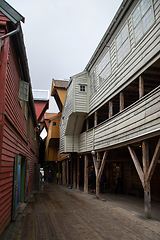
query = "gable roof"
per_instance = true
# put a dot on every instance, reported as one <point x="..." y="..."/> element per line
<point x="10" y="12"/>
<point x="57" y="91"/>
<point x="40" y="107"/>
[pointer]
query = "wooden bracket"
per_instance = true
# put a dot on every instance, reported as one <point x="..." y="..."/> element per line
<point x="137" y="164"/>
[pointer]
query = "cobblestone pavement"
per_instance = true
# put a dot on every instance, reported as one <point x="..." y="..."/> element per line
<point x="56" y="212"/>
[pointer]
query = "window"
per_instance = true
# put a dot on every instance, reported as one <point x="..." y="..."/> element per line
<point x="82" y="88"/>
<point x="123" y="44"/>
<point x="93" y="82"/>
<point x="142" y="19"/>
<point x="54" y="123"/>
<point x="104" y="68"/>
<point x="23" y="90"/>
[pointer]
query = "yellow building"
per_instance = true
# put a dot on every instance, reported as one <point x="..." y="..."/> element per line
<point x="58" y="91"/>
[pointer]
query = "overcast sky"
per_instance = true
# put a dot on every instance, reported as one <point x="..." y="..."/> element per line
<point x="61" y="35"/>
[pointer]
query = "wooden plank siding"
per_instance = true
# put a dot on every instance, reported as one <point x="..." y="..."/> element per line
<point x="81" y="98"/>
<point x="124" y="73"/>
<point x="13" y="139"/>
<point x="137" y="121"/>
<point x="68" y="109"/>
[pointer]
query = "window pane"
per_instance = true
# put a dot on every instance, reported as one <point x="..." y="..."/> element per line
<point x="120" y="55"/>
<point x="145" y="5"/>
<point x="138" y="32"/>
<point x="147" y="20"/>
<point x="124" y="33"/>
<point x="119" y="41"/>
<point x="136" y="16"/>
<point x="126" y="48"/>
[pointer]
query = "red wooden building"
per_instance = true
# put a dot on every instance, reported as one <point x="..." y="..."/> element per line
<point x="18" y="137"/>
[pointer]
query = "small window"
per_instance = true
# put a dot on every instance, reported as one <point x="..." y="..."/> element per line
<point x="23" y="90"/>
<point x="54" y="123"/>
<point x="82" y="88"/>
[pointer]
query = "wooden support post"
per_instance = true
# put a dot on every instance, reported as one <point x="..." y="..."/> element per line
<point x="137" y="164"/>
<point x="54" y="172"/>
<point x="87" y="124"/>
<point x="147" y="192"/>
<point x="86" y="174"/>
<point x="141" y="87"/>
<point x="121" y="107"/>
<point x="110" y="108"/>
<point x="64" y="172"/>
<point x="154" y="161"/>
<point x="95" y="118"/>
<point x="74" y="172"/>
<point x="59" y="174"/>
<point x="67" y="162"/>
<point x="71" y="171"/>
<point x="100" y="173"/>
<point x="95" y="162"/>
<point x="78" y="161"/>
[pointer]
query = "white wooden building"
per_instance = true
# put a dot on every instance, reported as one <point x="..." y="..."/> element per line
<point x="112" y="109"/>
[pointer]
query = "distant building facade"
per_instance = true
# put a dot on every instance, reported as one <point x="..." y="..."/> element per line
<point x="52" y="156"/>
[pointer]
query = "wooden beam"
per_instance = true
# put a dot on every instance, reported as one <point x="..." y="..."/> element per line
<point x="154" y="162"/>
<point x="110" y="108"/>
<point x="87" y="124"/>
<point x="64" y="172"/>
<point x="141" y="87"/>
<point x="67" y="172"/>
<point x="59" y="174"/>
<point x="95" y="162"/>
<point x="86" y="174"/>
<point x="74" y="172"/>
<point x="147" y="191"/>
<point x="95" y="118"/>
<point x="121" y="98"/>
<point x="137" y="164"/>
<point x="78" y="161"/>
<point x="100" y="173"/>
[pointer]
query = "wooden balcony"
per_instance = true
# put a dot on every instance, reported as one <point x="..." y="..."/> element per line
<point x="139" y="121"/>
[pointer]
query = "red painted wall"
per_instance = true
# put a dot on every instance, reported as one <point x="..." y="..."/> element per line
<point x="13" y="130"/>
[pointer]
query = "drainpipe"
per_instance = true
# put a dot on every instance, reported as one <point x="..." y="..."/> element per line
<point x="8" y="35"/>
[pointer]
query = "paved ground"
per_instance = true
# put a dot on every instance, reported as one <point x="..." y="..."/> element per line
<point x="56" y="212"/>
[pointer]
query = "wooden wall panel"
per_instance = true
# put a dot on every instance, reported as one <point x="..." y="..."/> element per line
<point x="124" y="73"/>
<point x="138" y="120"/>
<point x="14" y="137"/>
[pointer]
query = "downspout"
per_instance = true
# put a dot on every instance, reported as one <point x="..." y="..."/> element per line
<point x="8" y="35"/>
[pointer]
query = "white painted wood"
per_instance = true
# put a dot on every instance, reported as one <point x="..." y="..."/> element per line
<point x="138" y="120"/>
<point x="140" y="53"/>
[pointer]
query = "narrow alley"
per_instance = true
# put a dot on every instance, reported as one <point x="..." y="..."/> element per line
<point x="56" y="212"/>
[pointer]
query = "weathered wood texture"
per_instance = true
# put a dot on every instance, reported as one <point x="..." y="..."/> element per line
<point x="124" y="72"/>
<point x="134" y="122"/>
<point x="14" y="138"/>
